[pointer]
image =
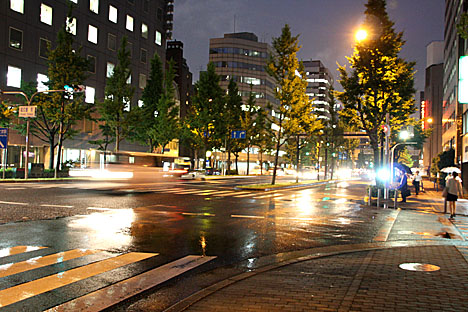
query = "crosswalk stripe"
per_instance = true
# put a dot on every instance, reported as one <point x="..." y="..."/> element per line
<point x="203" y="214"/>
<point x="13" y="203"/>
<point x="193" y="192"/>
<point x="17" y="250"/>
<point x="34" y="263"/>
<point x="111" y="295"/>
<point x="245" y="195"/>
<point x="248" y="217"/>
<point x="230" y="193"/>
<point x="27" y="290"/>
<point x="57" y="206"/>
<point x="264" y="196"/>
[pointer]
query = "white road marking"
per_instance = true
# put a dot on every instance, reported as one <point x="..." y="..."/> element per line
<point x="99" y="208"/>
<point x="13" y="203"/>
<point x="15" y="188"/>
<point x="246" y="195"/>
<point x="58" y="206"/>
<point x="248" y="217"/>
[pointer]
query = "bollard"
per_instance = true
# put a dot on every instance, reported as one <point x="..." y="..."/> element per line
<point x="378" y="197"/>
<point x="369" y="198"/>
<point x="395" y="203"/>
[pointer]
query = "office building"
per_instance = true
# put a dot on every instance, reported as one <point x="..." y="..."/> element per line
<point x="28" y="27"/>
<point x="319" y="83"/>
<point x="431" y="104"/>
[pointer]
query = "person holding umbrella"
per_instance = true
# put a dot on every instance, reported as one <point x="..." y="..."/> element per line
<point x="453" y="190"/>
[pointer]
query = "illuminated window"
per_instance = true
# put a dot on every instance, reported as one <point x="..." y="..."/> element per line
<point x="113" y="14"/>
<point x="71" y="25"/>
<point x="127" y="105"/>
<point x="41" y="82"/>
<point x="110" y="69"/>
<point x="140" y="103"/>
<point x="90" y="92"/>
<point x="92" y="34"/>
<point x="44" y="47"/>
<point x="46" y="14"/>
<point x="17" y="6"/>
<point x="129" y="80"/>
<point x="16" y="39"/>
<point x="129" y="23"/>
<point x="142" y="82"/>
<point x="158" y="38"/>
<point x="14" y="77"/>
<point x="74" y="1"/>
<point x="144" y="30"/>
<point x="94" y="6"/>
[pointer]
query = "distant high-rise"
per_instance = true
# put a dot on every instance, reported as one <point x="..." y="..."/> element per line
<point x="431" y="105"/>
<point x="319" y="83"/>
<point x="239" y="56"/>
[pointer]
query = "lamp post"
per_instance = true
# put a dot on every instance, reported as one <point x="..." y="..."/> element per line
<point x="29" y="101"/>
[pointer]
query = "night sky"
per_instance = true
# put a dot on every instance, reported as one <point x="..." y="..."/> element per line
<point x="326" y="27"/>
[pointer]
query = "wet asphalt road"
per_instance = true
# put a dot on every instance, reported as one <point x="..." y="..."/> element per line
<point x="173" y="218"/>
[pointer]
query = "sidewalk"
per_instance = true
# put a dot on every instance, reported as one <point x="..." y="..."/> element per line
<point x="363" y="277"/>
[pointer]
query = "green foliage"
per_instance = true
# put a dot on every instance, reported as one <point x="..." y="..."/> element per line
<point x="294" y="113"/>
<point x="232" y="117"/>
<point x="462" y="26"/>
<point x="203" y="128"/>
<point x="165" y="126"/>
<point x="58" y="112"/>
<point x="150" y="97"/>
<point x="405" y="158"/>
<point x="6" y="113"/>
<point x="380" y="82"/>
<point x="118" y="94"/>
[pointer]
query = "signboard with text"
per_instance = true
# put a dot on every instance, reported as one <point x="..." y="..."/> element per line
<point x="27" y="111"/>
<point x="238" y="134"/>
<point x="3" y="138"/>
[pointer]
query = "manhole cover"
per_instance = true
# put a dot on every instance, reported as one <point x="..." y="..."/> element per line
<point x="422" y="267"/>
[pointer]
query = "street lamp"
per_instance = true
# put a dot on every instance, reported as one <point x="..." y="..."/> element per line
<point x="361" y="35"/>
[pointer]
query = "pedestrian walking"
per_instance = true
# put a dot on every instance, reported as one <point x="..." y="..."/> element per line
<point x="417" y="180"/>
<point x="453" y="190"/>
<point x="405" y="192"/>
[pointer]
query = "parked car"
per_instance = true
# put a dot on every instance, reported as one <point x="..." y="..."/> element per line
<point x="194" y="174"/>
<point x="212" y="171"/>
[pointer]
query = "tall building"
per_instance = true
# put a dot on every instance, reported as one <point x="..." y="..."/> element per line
<point x="431" y="106"/>
<point x="98" y="26"/>
<point x="319" y="83"/>
<point x="239" y="56"/>
<point x="453" y="112"/>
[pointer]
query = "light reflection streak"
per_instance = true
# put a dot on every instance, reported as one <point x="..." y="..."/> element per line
<point x="108" y="228"/>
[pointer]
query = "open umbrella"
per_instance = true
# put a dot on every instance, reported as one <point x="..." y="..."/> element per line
<point x="450" y="170"/>
<point x="403" y="168"/>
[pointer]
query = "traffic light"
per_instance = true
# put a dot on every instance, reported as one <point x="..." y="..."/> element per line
<point x="386" y="129"/>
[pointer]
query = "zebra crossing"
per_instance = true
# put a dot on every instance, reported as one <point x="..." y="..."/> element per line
<point x="37" y="278"/>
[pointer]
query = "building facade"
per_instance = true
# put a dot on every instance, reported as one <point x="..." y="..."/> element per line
<point x="98" y="26"/>
<point x="431" y="106"/>
<point x="239" y="56"/>
<point x="319" y="83"/>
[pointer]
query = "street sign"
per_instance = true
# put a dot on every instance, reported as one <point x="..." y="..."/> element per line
<point x="238" y="134"/>
<point x="27" y="111"/>
<point x="3" y="138"/>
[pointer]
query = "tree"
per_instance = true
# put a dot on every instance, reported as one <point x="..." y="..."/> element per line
<point x="150" y="97"/>
<point x="294" y="112"/>
<point x="115" y="109"/>
<point x="404" y="157"/>
<point x="57" y="113"/>
<point x="165" y="127"/>
<point x="232" y="120"/>
<point x="380" y="82"/>
<point x="203" y="127"/>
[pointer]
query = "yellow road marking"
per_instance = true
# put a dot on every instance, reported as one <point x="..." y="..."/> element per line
<point x="17" y="250"/>
<point x="38" y="262"/>
<point x="27" y="290"/>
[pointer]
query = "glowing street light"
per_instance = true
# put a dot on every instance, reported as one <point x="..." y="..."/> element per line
<point x="361" y="35"/>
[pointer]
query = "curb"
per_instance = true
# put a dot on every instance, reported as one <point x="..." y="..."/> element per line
<point x="309" y="254"/>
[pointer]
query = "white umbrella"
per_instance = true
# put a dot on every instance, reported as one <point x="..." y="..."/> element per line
<point x="450" y="170"/>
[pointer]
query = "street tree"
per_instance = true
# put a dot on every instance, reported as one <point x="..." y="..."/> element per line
<point x="203" y="126"/>
<point x="232" y="121"/>
<point x="150" y="98"/>
<point x="165" y="126"/>
<point x="115" y="108"/>
<point x="379" y="81"/>
<point x="57" y="113"/>
<point x="293" y="115"/>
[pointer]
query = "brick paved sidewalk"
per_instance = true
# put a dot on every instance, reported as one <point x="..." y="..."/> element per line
<point x="360" y="281"/>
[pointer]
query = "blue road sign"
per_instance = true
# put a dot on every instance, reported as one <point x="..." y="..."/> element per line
<point x="238" y="134"/>
<point x="3" y="138"/>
